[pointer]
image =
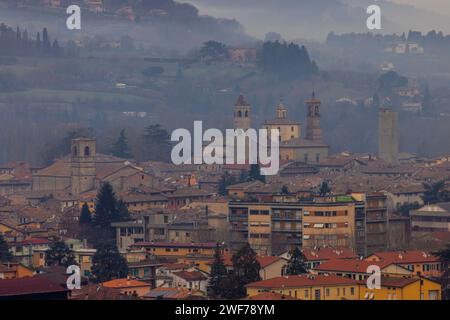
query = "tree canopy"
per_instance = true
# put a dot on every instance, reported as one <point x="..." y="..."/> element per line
<point x="288" y="61"/>
<point x="108" y="264"/>
<point x="5" y="254"/>
<point x="296" y="264"/>
<point x="121" y="148"/>
<point x="59" y="254"/>
<point x="218" y="275"/>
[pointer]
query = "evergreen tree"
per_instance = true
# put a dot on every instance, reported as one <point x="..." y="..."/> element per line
<point x="108" y="264"/>
<point x="255" y="173"/>
<point x="218" y="275"/>
<point x="324" y="189"/>
<point x="45" y="41"/>
<point x="108" y="209"/>
<point x="224" y="182"/>
<point x="38" y="42"/>
<point x="122" y="213"/>
<point x="435" y="192"/>
<point x="56" y="49"/>
<point x="105" y="206"/>
<point x="156" y="144"/>
<point x="59" y="254"/>
<point x="296" y="264"/>
<point x="285" y="190"/>
<point x="427" y="101"/>
<point x="85" y="216"/>
<point x="245" y="270"/>
<point x="444" y="257"/>
<point x="120" y="148"/>
<point x="5" y="254"/>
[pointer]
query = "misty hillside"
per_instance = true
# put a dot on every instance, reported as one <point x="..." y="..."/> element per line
<point x="314" y="19"/>
<point x="407" y="16"/>
<point x="292" y="18"/>
<point x="157" y="23"/>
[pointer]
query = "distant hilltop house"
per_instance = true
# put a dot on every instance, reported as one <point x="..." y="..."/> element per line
<point x="127" y="12"/>
<point x="387" y="66"/>
<point x="242" y="55"/>
<point x="404" y="48"/>
<point x="411" y="99"/>
<point x="91" y="5"/>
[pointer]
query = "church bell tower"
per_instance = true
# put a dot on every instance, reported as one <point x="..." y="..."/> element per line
<point x="242" y="119"/>
<point x="83" y="154"/>
<point x="313" y="129"/>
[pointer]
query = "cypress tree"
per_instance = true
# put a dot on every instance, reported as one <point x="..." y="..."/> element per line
<point x="85" y="216"/>
<point x="105" y="206"/>
<point x="5" y="254"/>
<point x="120" y="148"/>
<point x="218" y="275"/>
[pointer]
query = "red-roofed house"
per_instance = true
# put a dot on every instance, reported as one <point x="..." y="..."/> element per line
<point x="308" y="287"/>
<point x="31" y="288"/>
<point x="315" y="257"/>
<point x="357" y="269"/>
<point x="30" y="252"/>
<point x="192" y="280"/>
<point x="129" y="286"/>
<point x="271" y="266"/>
<point x="419" y="262"/>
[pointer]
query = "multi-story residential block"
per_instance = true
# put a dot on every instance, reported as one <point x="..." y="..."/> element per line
<point x="273" y="228"/>
<point x="128" y="233"/>
<point x="432" y="217"/>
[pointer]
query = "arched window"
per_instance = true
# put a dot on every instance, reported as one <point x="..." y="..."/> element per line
<point x="74" y="151"/>
<point x="87" y="151"/>
<point x="246" y="114"/>
<point x="240" y="114"/>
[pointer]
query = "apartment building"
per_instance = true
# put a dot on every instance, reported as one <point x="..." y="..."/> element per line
<point x="273" y="228"/>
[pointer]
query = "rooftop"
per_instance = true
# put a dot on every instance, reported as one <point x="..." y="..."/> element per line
<point x="302" y="281"/>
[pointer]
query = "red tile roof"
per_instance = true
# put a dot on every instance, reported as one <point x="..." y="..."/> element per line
<point x="177" y="244"/>
<point x="31" y="285"/>
<point x="302" y="281"/>
<point x="32" y="241"/>
<point x="323" y="254"/>
<point x="355" y="265"/>
<point x="124" y="283"/>
<point x="265" y="261"/>
<point x="190" y="275"/>
<point x="270" y="296"/>
<point x="402" y="257"/>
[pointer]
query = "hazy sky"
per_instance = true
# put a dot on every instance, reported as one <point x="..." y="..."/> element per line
<point x="440" y="6"/>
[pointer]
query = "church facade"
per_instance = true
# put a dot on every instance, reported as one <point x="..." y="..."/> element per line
<point x="293" y="147"/>
<point x="85" y="169"/>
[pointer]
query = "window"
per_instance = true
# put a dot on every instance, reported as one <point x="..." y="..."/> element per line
<point x="327" y="292"/>
<point x="317" y="294"/>
<point x="87" y="152"/>
<point x="306" y="294"/>
<point x="352" y="291"/>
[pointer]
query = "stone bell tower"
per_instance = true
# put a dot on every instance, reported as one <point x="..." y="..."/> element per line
<point x="242" y="119"/>
<point x="83" y="154"/>
<point x="313" y="129"/>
